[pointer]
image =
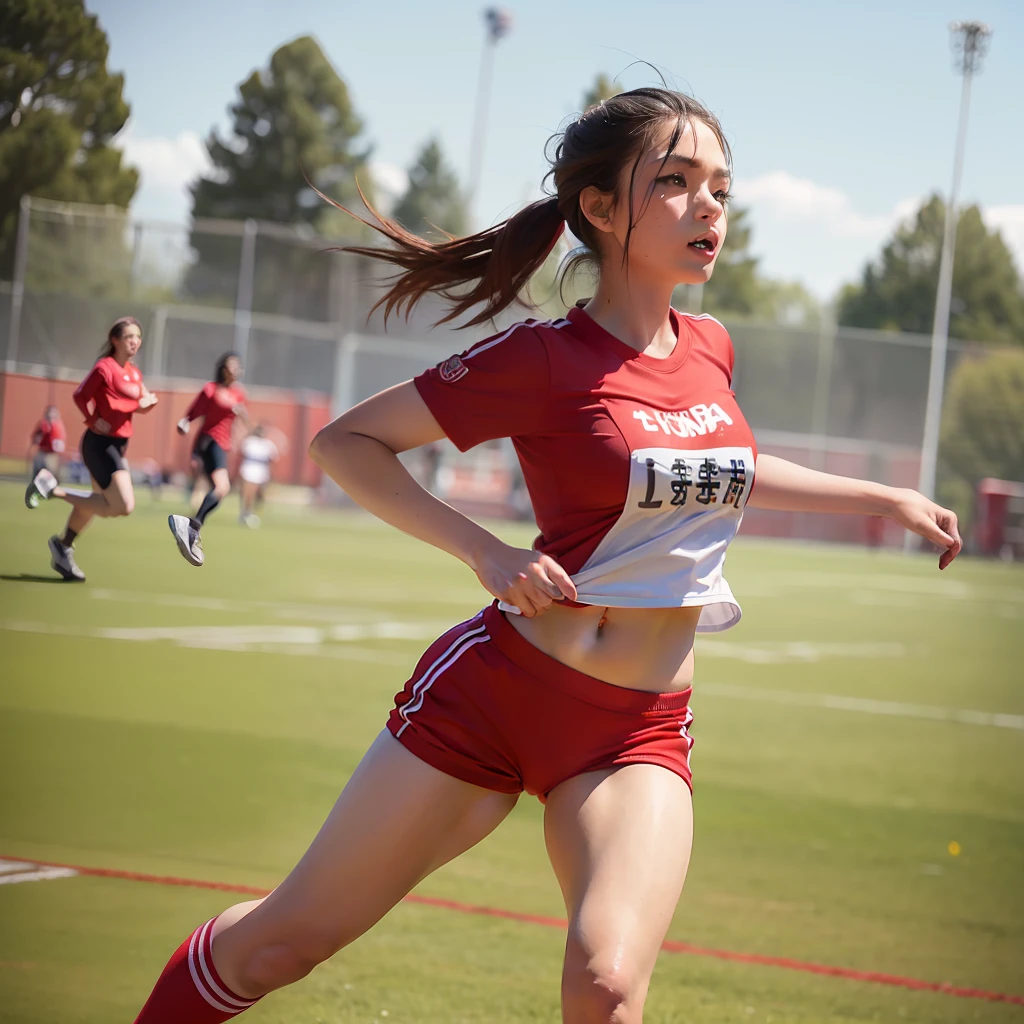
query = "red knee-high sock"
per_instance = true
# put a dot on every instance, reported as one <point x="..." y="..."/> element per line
<point x="190" y="988"/>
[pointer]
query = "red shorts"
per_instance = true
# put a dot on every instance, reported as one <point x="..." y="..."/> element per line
<point x="487" y="707"/>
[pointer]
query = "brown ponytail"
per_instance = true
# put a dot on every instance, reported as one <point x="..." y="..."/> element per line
<point x="496" y="263"/>
<point x="500" y="260"/>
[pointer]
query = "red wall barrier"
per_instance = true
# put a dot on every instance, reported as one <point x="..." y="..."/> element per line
<point x="297" y="416"/>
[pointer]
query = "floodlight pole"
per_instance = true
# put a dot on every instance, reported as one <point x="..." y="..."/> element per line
<point x="498" y="24"/>
<point x="970" y="41"/>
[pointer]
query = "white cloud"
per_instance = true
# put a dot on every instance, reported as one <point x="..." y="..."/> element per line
<point x="389" y="178"/>
<point x="166" y="168"/>
<point x="813" y="233"/>
<point x="1009" y="221"/>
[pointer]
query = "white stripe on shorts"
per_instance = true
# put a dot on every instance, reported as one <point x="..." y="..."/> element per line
<point x="477" y="635"/>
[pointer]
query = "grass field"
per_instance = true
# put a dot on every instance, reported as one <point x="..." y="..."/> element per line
<point x="199" y="723"/>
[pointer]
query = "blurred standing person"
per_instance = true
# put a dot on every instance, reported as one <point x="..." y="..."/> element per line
<point x="258" y="454"/>
<point x="47" y="443"/>
<point x="108" y="397"/>
<point x="218" y="405"/>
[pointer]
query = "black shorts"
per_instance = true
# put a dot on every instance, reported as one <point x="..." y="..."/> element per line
<point x="210" y="454"/>
<point x="103" y="456"/>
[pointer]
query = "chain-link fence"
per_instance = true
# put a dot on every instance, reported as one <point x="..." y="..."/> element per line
<point x="842" y="399"/>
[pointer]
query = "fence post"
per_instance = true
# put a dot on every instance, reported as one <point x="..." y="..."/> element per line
<point x="157" y="348"/>
<point x="133" y="270"/>
<point x="18" y="283"/>
<point x="344" y="391"/>
<point x="823" y="378"/>
<point x="243" y="299"/>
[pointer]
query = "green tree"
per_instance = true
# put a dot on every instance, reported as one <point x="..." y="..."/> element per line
<point x="897" y="291"/>
<point x="293" y="120"/>
<point x="604" y="88"/>
<point x="60" y="109"/>
<point x="982" y="427"/>
<point x="433" y="199"/>
<point x="736" y="289"/>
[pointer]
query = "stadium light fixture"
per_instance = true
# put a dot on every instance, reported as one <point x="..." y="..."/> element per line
<point x="970" y="43"/>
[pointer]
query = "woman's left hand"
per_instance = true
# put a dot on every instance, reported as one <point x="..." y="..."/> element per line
<point x="933" y="522"/>
<point x="148" y="400"/>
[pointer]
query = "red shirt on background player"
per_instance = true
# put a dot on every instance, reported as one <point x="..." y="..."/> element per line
<point x="639" y="464"/>
<point x="218" y="405"/>
<point x="50" y="435"/>
<point x="111" y="394"/>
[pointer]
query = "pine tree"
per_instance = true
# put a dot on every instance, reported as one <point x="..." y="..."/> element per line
<point x="897" y="291"/>
<point x="60" y="109"/>
<point x="433" y="199"/>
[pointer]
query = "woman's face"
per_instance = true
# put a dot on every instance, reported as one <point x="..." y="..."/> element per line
<point x="679" y="208"/>
<point x="232" y="370"/>
<point x="128" y="345"/>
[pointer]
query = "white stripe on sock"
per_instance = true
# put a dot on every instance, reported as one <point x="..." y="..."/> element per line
<point x="228" y="998"/>
<point x="199" y="983"/>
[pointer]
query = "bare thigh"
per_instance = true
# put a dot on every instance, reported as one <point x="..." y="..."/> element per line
<point x="619" y="841"/>
<point x="396" y="821"/>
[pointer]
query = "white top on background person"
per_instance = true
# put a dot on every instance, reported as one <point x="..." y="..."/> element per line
<point x="258" y="454"/>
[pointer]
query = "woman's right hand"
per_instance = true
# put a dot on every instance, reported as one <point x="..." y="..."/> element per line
<point x="183" y="425"/>
<point x="523" y="578"/>
<point x="101" y="426"/>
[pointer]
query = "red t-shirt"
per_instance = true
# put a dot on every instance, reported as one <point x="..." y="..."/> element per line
<point x="638" y="468"/>
<point x="216" y="404"/>
<point x="49" y="436"/>
<point x="115" y="391"/>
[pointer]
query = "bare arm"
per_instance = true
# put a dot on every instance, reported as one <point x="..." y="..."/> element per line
<point x="359" y="451"/>
<point x="787" y="487"/>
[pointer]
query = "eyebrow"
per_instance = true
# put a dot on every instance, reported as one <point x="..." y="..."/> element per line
<point x="718" y="172"/>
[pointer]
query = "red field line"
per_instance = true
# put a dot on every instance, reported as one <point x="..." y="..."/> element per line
<point x="670" y="946"/>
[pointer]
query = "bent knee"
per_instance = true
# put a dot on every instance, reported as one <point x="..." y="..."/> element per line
<point x="222" y="490"/>
<point x="601" y="989"/>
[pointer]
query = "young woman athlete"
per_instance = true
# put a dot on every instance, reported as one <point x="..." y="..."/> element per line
<point x="218" y="404"/>
<point x="575" y="684"/>
<point x="112" y="393"/>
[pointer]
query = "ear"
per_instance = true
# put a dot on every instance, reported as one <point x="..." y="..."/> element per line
<point x="596" y="207"/>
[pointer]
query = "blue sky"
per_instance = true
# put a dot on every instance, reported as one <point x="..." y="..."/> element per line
<point x="841" y="115"/>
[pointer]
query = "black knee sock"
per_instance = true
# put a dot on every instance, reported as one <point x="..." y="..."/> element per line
<point x="69" y="537"/>
<point x="210" y="502"/>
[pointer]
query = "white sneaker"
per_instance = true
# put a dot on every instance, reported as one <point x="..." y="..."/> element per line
<point x="62" y="559"/>
<point x="187" y="536"/>
<point x="251" y="520"/>
<point x="40" y="489"/>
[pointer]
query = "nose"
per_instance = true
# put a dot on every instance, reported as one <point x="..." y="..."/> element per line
<point x="709" y="209"/>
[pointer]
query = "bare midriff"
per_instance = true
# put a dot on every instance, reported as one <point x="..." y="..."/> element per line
<point x="639" y="648"/>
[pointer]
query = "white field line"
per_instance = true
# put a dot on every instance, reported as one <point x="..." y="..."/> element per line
<point x="14" y="871"/>
<point x="863" y="705"/>
<point x="796" y="651"/>
<point x="937" y="586"/>
<point x="332" y="642"/>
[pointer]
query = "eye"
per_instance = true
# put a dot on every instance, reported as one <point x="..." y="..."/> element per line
<point x="723" y="196"/>
<point x="674" y="179"/>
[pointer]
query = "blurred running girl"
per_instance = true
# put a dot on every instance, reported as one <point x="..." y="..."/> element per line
<point x="47" y="443"/>
<point x="258" y="454"/>
<point x="108" y="397"/>
<point x="217" y="405"/>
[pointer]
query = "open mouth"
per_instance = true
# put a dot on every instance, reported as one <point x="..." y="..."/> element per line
<point x="704" y="244"/>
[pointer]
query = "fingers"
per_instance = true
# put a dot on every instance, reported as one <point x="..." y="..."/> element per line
<point x="950" y="526"/>
<point x="560" y="579"/>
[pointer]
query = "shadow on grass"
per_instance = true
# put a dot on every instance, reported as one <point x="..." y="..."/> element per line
<point x="29" y="578"/>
